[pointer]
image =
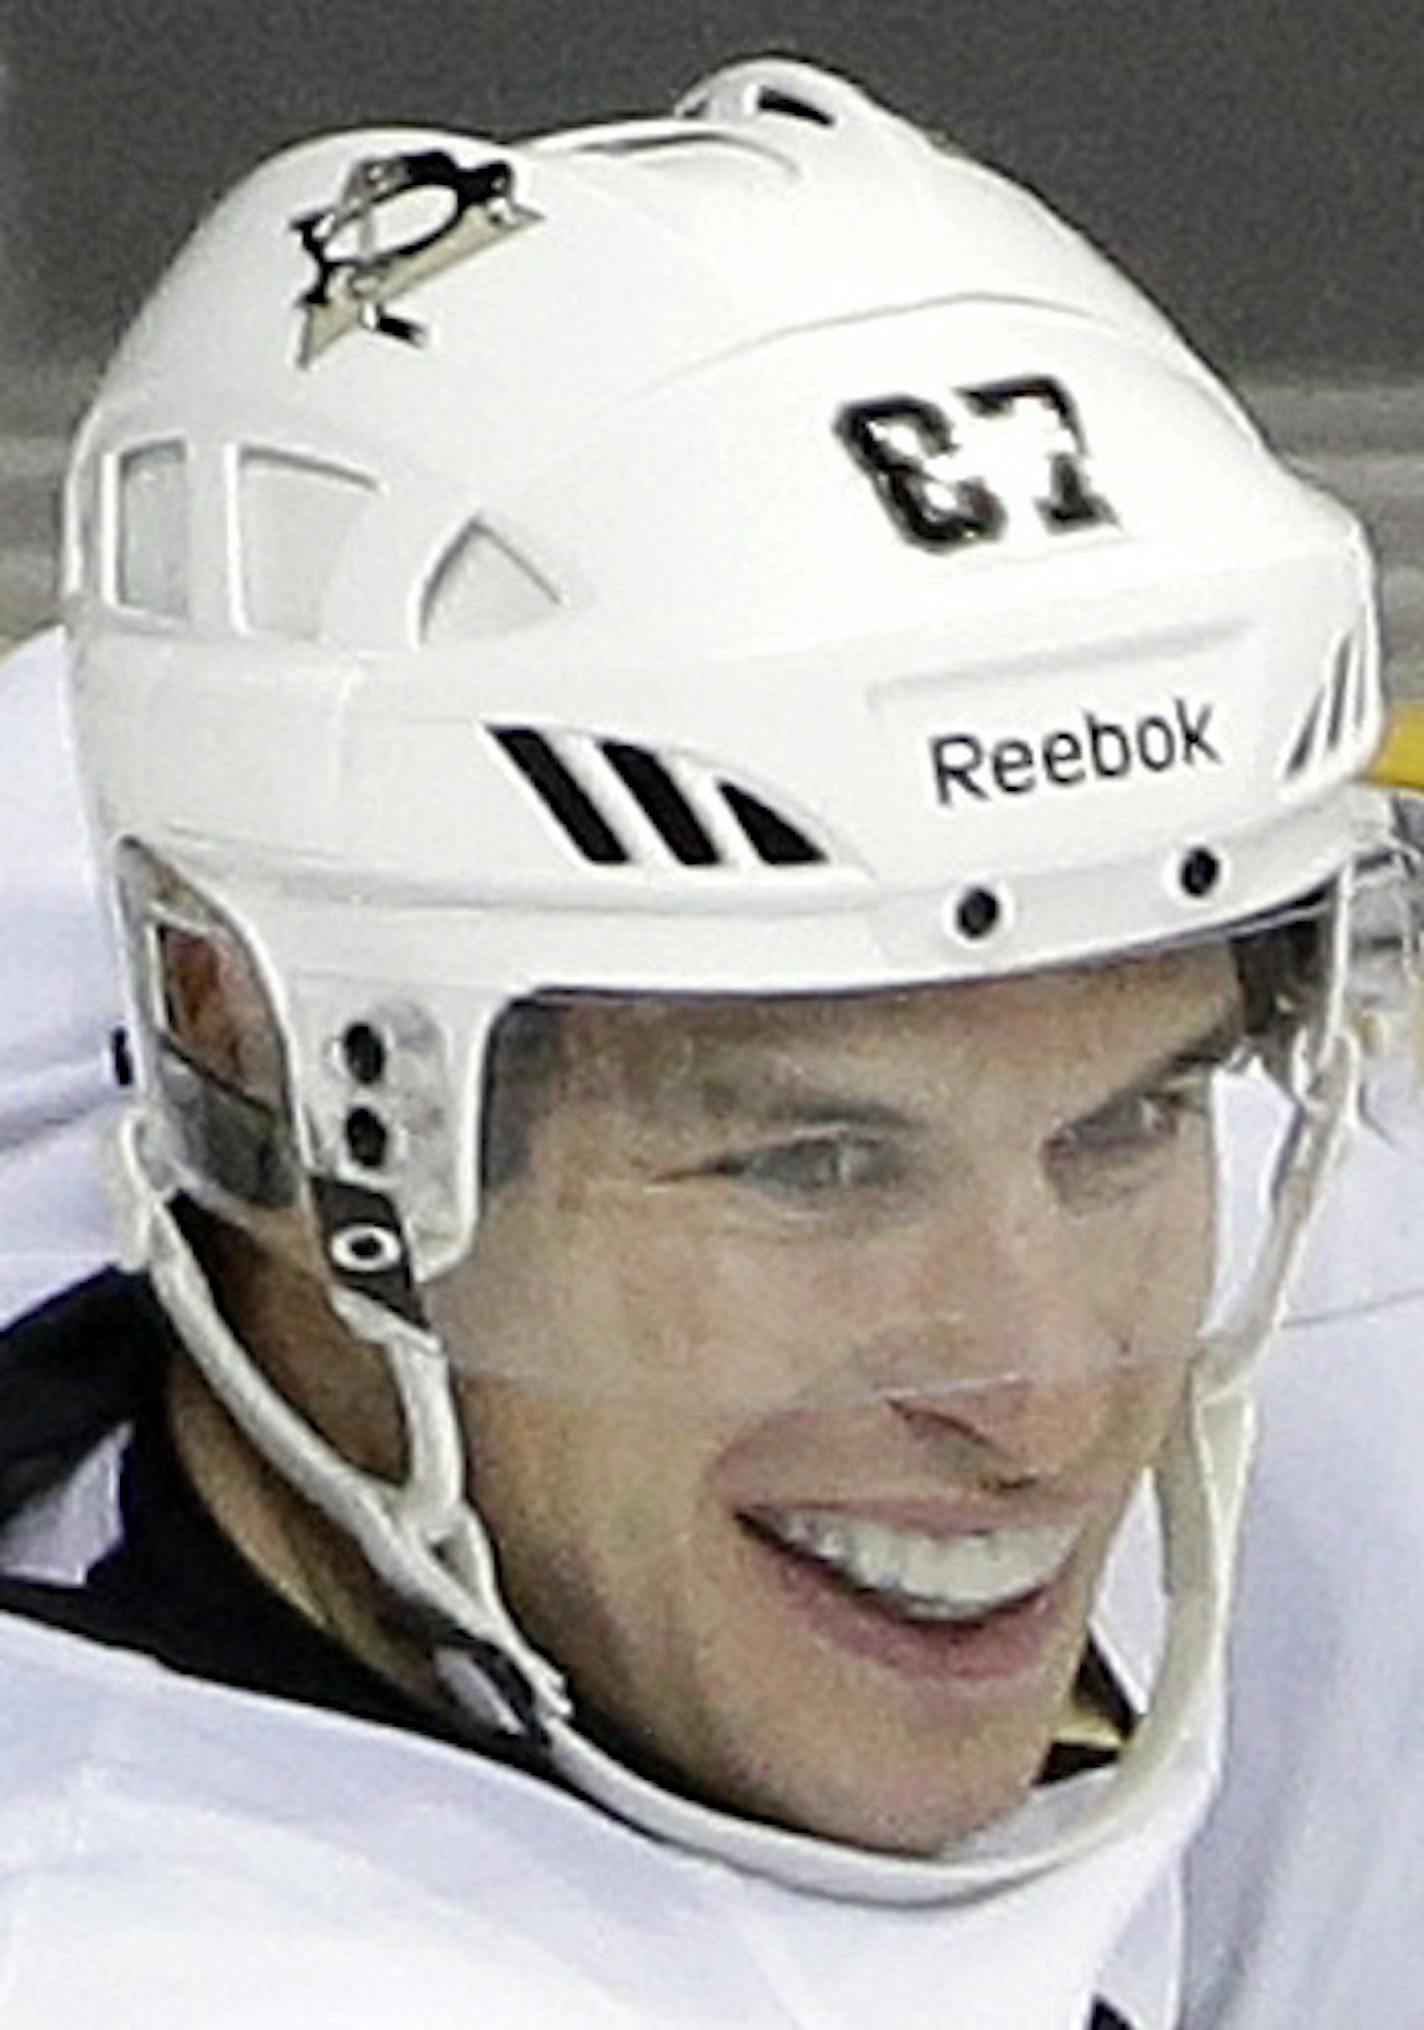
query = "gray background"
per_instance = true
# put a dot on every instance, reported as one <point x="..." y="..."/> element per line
<point x="1258" y="164"/>
<point x="1258" y="161"/>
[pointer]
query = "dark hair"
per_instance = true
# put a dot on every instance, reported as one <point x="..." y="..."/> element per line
<point x="523" y="1058"/>
<point x="1282" y="969"/>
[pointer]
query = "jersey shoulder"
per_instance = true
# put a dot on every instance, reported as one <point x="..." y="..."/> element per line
<point x="350" y="1873"/>
<point x="59" y="993"/>
<point x="177" y="1854"/>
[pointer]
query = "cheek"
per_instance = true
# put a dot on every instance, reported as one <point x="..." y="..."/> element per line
<point x="599" y="1516"/>
<point x="1180" y="1261"/>
<point x="1161" y="1282"/>
<point x="1147" y="1403"/>
<point x="652" y="1309"/>
<point x="1151" y="1260"/>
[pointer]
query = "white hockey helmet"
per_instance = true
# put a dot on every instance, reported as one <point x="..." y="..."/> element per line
<point x="758" y="552"/>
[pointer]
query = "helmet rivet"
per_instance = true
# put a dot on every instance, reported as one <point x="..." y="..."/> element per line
<point x="978" y="913"/>
<point x="363" y="1051"/>
<point x="367" y="1137"/>
<point x="1199" y="873"/>
<point x="365" y="1250"/>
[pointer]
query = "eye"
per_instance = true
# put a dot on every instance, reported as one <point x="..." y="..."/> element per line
<point x="1120" y="1146"/>
<point x="811" y="1168"/>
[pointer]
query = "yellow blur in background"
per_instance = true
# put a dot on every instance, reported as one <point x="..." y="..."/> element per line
<point x="1400" y="761"/>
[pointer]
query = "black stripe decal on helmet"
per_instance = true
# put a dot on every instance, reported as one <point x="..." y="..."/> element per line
<point x="663" y="803"/>
<point x="562" y="795"/>
<point x="590" y="822"/>
<point x="771" y="838"/>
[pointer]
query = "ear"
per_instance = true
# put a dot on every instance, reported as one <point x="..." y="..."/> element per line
<point x="216" y="1011"/>
<point x="220" y="1065"/>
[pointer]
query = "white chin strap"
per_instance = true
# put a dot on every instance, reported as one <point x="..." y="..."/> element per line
<point x="427" y="1543"/>
<point x="420" y="1536"/>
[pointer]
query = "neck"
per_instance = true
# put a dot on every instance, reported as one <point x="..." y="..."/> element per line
<point x="336" y="1384"/>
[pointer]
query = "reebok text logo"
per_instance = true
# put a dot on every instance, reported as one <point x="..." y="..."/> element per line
<point x="1068" y="757"/>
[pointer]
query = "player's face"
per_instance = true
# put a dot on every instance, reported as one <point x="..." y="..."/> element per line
<point x="866" y="1315"/>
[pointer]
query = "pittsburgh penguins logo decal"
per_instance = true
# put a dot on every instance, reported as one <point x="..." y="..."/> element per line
<point x="361" y="268"/>
<point x="971" y="467"/>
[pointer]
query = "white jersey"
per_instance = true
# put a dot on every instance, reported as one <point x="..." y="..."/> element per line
<point x="183" y="1854"/>
<point x="178" y="1854"/>
<point x="59" y="997"/>
<point x="1306" y="1887"/>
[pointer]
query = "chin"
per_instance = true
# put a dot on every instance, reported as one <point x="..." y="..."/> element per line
<point x="905" y="1755"/>
<point x="912" y="1824"/>
<point x="879" y="1797"/>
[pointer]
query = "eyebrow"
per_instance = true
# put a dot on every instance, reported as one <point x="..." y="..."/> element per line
<point x="795" y="1106"/>
<point x="761" y="1096"/>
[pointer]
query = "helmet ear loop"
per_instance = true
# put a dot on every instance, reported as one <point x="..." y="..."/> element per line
<point x="1198" y="1482"/>
<point x="1200" y="1479"/>
<point x="421" y="1537"/>
<point x="484" y="1660"/>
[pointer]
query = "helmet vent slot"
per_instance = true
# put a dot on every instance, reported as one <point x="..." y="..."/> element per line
<point x="663" y="804"/>
<point x="295" y="515"/>
<point x="1338" y="709"/>
<point x="1299" y="759"/>
<point x="770" y="99"/>
<point x="618" y="803"/>
<point x="1339" y="695"/>
<point x="565" y="799"/>
<point x="482" y="586"/>
<point x="769" y="835"/>
<point x="151" y="568"/>
<point x="1366" y="684"/>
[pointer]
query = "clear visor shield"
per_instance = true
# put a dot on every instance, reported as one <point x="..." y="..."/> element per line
<point x="987" y="1202"/>
<point x="1364" y="1267"/>
<point x="984" y="1205"/>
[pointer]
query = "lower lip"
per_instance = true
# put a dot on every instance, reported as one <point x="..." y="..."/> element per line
<point x="1010" y="1643"/>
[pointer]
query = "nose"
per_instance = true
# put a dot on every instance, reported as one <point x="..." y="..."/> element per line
<point x="1001" y="1338"/>
<point x="1013" y="1434"/>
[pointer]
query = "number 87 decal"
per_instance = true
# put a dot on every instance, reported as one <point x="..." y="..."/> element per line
<point x="926" y="459"/>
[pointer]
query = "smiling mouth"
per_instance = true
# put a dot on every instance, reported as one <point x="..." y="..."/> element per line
<point x="955" y="1581"/>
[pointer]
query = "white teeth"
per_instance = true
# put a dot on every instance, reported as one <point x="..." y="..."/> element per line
<point x="931" y="1578"/>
